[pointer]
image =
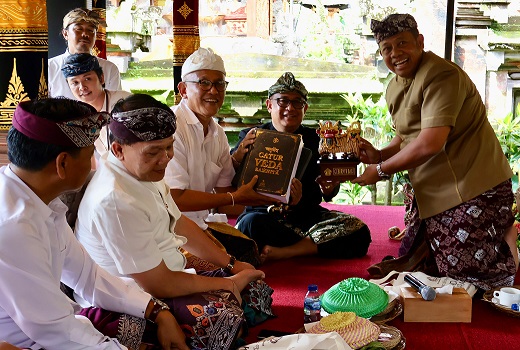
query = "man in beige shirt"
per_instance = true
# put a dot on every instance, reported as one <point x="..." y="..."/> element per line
<point x="460" y="176"/>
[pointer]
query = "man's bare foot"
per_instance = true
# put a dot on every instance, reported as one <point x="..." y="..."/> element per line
<point x="303" y="247"/>
<point x="272" y="253"/>
<point x="264" y="254"/>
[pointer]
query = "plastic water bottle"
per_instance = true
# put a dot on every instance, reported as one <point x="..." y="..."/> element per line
<point x="312" y="305"/>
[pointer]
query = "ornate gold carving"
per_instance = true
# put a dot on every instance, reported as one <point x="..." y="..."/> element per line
<point x="185" y="10"/>
<point x="186" y="41"/>
<point x="43" y="91"/>
<point x="23" y="39"/>
<point x="15" y="94"/>
<point x="23" y="14"/>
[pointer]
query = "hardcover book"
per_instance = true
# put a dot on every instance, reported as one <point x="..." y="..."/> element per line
<point x="274" y="157"/>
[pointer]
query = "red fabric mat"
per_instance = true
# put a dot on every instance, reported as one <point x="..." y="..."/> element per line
<point x="489" y="329"/>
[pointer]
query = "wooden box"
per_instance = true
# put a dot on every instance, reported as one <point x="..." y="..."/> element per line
<point x="454" y="307"/>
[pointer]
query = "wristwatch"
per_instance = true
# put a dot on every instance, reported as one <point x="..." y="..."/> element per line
<point x="230" y="264"/>
<point x="381" y="173"/>
<point x="158" y="306"/>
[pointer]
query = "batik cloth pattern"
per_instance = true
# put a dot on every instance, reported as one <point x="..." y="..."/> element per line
<point x="210" y="320"/>
<point x="147" y="124"/>
<point x="391" y="25"/>
<point x="256" y="298"/>
<point x="287" y="83"/>
<point x="412" y="225"/>
<point x="129" y="330"/>
<point x="467" y="241"/>
<point x="337" y="234"/>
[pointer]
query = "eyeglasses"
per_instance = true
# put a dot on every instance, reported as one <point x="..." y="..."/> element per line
<point x="206" y="85"/>
<point x="284" y="103"/>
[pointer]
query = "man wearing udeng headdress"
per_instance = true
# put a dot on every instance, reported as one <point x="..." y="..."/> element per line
<point x="86" y="80"/>
<point x="79" y="30"/>
<point x="49" y="146"/>
<point x="130" y="225"/>
<point x="307" y="228"/>
<point x="200" y="174"/>
<point x="460" y="176"/>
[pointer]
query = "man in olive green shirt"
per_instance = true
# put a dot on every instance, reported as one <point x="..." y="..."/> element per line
<point x="460" y="176"/>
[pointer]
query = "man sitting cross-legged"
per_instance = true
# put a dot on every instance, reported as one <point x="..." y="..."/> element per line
<point x="49" y="149"/>
<point x="130" y="225"/>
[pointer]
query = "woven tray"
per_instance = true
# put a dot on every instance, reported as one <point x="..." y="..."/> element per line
<point x="391" y="338"/>
<point x="488" y="296"/>
<point x="387" y="316"/>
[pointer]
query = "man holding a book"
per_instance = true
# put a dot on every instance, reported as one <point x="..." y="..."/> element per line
<point x="201" y="171"/>
<point x="305" y="228"/>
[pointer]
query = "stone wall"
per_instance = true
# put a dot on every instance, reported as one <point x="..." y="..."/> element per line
<point x="487" y="47"/>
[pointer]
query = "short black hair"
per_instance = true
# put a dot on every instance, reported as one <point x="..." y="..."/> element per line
<point x="131" y="102"/>
<point x="34" y="155"/>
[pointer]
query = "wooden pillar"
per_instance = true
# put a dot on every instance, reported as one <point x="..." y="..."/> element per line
<point x="100" y="48"/>
<point x="259" y="14"/>
<point x="186" y="38"/>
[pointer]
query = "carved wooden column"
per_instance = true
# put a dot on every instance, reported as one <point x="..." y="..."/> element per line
<point x="23" y="58"/>
<point x="259" y="18"/>
<point x="186" y="38"/>
<point x="100" y="48"/>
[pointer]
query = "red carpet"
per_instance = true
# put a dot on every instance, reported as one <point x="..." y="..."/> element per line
<point x="489" y="329"/>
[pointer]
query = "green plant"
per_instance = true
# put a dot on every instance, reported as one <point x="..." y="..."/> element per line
<point x="376" y="124"/>
<point x="350" y="193"/>
<point x="507" y="130"/>
<point x="326" y="39"/>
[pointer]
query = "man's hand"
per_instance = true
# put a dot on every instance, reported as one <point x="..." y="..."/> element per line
<point x="242" y="279"/>
<point x="369" y="176"/>
<point x="246" y="195"/>
<point x="368" y="154"/>
<point x="244" y="146"/>
<point x="296" y="192"/>
<point x="240" y="266"/>
<point x="169" y="332"/>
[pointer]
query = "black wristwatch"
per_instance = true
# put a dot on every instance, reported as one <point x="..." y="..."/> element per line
<point x="158" y="306"/>
<point x="381" y="173"/>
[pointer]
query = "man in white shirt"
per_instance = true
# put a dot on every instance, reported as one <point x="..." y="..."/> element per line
<point x="86" y="78"/>
<point x="200" y="174"/>
<point x="130" y="225"/>
<point x="49" y="148"/>
<point x="79" y="30"/>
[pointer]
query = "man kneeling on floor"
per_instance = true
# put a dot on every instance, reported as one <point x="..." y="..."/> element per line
<point x="130" y="225"/>
<point x="49" y="147"/>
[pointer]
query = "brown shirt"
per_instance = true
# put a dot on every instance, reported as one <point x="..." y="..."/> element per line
<point x="472" y="161"/>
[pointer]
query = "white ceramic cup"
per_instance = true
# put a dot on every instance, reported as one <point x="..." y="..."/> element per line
<point x="507" y="296"/>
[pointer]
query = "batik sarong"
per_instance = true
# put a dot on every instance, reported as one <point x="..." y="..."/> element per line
<point x="337" y="235"/>
<point x="210" y="320"/>
<point x="256" y="298"/>
<point x="467" y="241"/>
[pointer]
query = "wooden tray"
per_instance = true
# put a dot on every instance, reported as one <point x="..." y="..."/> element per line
<point x="488" y="296"/>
